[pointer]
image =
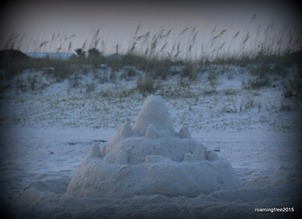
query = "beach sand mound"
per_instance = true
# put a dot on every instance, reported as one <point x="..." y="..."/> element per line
<point x="151" y="158"/>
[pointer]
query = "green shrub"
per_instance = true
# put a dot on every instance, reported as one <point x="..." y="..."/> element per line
<point x="158" y="68"/>
<point x="145" y="86"/>
<point x="212" y="77"/>
<point x="189" y="71"/>
<point x="129" y="72"/>
<point x="62" y="71"/>
<point x="131" y="59"/>
<point x="293" y="87"/>
<point x="258" y="82"/>
<point x="260" y="76"/>
<point x="90" y="87"/>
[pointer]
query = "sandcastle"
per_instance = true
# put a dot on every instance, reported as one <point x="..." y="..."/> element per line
<point x="151" y="158"/>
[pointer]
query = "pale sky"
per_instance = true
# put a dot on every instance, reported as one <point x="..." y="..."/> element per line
<point x="64" y="27"/>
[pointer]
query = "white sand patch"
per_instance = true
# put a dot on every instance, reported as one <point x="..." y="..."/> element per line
<point x="151" y="159"/>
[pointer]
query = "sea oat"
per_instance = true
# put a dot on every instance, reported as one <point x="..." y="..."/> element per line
<point x="43" y="43"/>
<point x="236" y="34"/>
<point x="253" y="18"/>
<point x="246" y="38"/>
<point x="184" y="30"/>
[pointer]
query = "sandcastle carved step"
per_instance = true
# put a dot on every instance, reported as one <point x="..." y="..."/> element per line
<point x="151" y="158"/>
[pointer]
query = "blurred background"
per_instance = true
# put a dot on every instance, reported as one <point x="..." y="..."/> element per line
<point x="180" y="30"/>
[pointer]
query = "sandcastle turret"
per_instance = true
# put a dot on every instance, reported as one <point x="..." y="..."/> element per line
<point x="155" y="112"/>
